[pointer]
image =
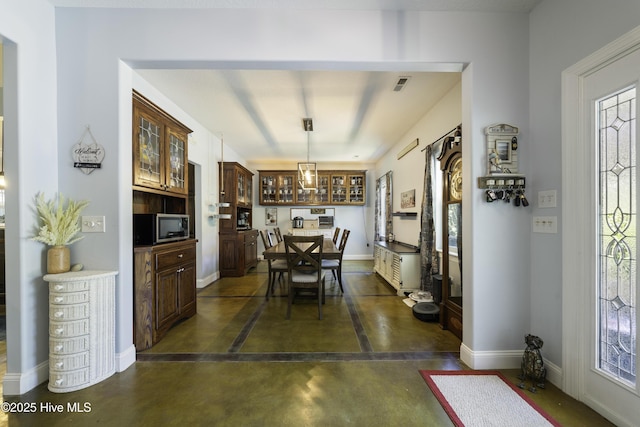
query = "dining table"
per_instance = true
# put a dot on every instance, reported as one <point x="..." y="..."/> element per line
<point x="329" y="250"/>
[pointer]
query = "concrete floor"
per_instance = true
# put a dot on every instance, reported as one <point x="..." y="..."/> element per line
<point x="238" y="362"/>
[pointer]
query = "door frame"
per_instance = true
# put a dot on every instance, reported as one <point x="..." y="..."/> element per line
<point x="578" y="199"/>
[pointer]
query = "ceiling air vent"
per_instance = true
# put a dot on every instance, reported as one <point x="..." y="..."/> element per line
<point x="401" y="83"/>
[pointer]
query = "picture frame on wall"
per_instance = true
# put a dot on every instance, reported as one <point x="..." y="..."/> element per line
<point x="271" y="216"/>
<point x="408" y="199"/>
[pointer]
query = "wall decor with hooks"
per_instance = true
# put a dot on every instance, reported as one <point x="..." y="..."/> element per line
<point x="503" y="182"/>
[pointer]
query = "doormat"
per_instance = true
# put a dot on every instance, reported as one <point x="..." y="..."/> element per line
<point x="484" y="398"/>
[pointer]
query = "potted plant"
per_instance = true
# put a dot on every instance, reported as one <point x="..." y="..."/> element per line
<point x="59" y="227"/>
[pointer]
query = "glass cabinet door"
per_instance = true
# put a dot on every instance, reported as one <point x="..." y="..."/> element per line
<point x="356" y="188"/>
<point x="148" y="166"/>
<point x="339" y="188"/>
<point x="176" y="168"/>
<point x="321" y="196"/>
<point x="286" y="184"/>
<point x="268" y="184"/>
<point x="241" y="187"/>
<point x="249" y="191"/>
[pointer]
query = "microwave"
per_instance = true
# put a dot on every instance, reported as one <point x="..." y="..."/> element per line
<point x="152" y="229"/>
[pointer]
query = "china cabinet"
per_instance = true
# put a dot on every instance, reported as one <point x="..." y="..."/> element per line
<point x="82" y="323"/>
<point x="238" y="242"/>
<point x="334" y="188"/>
<point x="160" y="149"/>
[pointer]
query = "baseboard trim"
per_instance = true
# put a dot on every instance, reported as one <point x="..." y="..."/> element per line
<point x="505" y="359"/>
<point x="126" y="358"/>
<point x="15" y="384"/>
<point x="206" y="281"/>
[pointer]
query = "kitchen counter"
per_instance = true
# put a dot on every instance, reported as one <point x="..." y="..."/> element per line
<point x="398" y="247"/>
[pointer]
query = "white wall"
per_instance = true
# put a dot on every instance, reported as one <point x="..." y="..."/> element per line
<point x="408" y="172"/>
<point x="562" y="33"/>
<point x="30" y="126"/>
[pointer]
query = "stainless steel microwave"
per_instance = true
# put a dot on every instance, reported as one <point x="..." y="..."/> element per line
<point x="152" y="229"/>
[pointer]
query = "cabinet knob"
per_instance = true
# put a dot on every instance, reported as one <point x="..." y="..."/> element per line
<point x="180" y="255"/>
<point x="58" y="347"/>
<point x="59" y="365"/>
<point x="58" y="314"/>
<point x="59" y="381"/>
<point x="59" y="331"/>
<point x="58" y="287"/>
<point x="58" y="299"/>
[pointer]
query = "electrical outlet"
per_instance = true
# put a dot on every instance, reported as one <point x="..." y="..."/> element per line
<point x="93" y="224"/>
<point x="547" y="199"/>
<point x="545" y="224"/>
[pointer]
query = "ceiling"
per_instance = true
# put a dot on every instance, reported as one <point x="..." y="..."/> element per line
<point x="357" y="115"/>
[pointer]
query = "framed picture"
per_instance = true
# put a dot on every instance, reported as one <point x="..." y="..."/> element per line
<point x="408" y="199"/>
<point x="503" y="148"/>
<point x="271" y="216"/>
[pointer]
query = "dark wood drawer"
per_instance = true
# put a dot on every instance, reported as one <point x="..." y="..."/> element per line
<point x="175" y="257"/>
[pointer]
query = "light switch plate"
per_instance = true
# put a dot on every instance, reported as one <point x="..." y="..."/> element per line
<point x="93" y="224"/>
<point x="547" y="199"/>
<point x="545" y="224"/>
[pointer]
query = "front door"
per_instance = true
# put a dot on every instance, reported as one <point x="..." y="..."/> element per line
<point x="609" y="374"/>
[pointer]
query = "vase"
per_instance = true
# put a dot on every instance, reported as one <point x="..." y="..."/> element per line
<point x="58" y="260"/>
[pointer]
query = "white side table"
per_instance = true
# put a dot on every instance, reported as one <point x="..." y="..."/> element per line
<point x="81" y="329"/>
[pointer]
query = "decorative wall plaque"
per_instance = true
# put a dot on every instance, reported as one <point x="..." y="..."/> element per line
<point x="87" y="157"/>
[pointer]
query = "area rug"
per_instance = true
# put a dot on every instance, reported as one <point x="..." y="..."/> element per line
<point x="484" y="398"/>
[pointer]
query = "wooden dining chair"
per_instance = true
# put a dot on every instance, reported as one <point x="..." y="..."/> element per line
<point x="276" y="230"/>
<point x="335" y="265"/>
<point x="276" y="266"/>
<point x="335" y="235"/>
<point x="304" y="265"/>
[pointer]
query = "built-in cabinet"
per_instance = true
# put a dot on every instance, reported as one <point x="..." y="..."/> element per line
<point x="398" y="264"/>
<point x="165" y="274"/>
<point x="160" y="149"/>
<point x="164" y="289"/>
<point x="238" y="241"/>
<point x="334" y="188"/>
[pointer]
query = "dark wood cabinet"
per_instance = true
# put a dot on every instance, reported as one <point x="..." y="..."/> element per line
<point x="164" y="289"/>
<point x="238" y="242"/>
<point x="238" y="252"/>
<point x="164" y="275"/>
<point x="160" y="149"/>
<point x="334" y="188"/>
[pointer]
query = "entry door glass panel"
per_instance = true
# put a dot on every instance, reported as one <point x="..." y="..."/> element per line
<point x="616" y="295"/>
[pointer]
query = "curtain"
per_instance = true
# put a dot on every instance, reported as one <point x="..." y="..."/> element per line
<point x="429" y="258"/>
<point x="383" y="207"/>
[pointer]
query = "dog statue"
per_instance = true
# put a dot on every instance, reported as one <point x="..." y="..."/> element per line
<point x="532" y="366"/>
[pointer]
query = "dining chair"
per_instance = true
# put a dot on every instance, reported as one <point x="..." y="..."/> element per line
<point x="278" y="234"/>
<point x="304" y="265"/>
<point x="335" y="235"/>
<point x="276" y="266"/>
<point x="335" y="265"/>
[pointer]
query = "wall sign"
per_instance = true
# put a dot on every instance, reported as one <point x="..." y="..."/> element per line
<point x="87" y="157"/>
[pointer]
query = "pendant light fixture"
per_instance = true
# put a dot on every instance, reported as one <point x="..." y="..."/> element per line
<point x="308" y="172"/>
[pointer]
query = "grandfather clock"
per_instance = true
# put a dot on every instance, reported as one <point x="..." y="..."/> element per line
<point x="451" y="165"/>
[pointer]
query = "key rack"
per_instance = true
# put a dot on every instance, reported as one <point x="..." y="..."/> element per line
<point x="504" y="188"/>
